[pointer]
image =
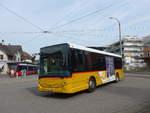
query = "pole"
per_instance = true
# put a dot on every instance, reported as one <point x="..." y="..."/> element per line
<point x="120" y="38"/>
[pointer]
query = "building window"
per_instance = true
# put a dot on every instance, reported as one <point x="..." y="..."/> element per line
<point x="1" y="57"/>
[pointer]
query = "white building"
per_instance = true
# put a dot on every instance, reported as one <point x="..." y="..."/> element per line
<point x="9" y="54"/>
<point x="132" y="48"/>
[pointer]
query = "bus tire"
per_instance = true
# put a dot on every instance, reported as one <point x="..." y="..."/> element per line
<point x="91" y="84"/>
<point x="117" y="79"/>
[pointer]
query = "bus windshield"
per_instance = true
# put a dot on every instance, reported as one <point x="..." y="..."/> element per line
<point x="53" y="62"/>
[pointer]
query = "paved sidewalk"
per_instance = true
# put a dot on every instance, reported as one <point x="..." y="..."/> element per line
<point x="4" y="76"/>
<point x="8" y="80"/>
<point x="139" y="73"/>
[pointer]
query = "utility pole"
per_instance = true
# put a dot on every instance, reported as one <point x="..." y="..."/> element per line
<point x="120" y="38"/>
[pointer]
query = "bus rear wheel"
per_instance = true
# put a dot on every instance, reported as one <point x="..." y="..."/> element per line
<point x="92" y="84"/>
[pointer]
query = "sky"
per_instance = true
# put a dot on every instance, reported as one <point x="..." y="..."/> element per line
<point x="71" y="21"/>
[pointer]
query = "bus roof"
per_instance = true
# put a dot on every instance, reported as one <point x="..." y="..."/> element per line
<point x="86" y="49"/>
<point x="92" y="50"/>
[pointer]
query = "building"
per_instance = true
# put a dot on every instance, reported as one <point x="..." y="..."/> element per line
<point x="26" y="57"/>
<point x="114" y="48"/>
<point x="132" y="48"/>
<point x="10" y="55"/>
<point x="146" y="56"/>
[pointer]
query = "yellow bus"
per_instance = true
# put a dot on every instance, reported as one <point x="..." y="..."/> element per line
<point x="69" y="68"/>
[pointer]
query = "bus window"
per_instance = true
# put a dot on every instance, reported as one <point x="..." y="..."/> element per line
<point x="30" y="68"/>
<point x="88" y="61"/>
<point x="101" y="62"/>
<point x="53" y="62"/>
<point x="118" y="63"/>
<point x="21" y="67"/>
<point x="94" y="61"/>
<point x="77" y="60"/>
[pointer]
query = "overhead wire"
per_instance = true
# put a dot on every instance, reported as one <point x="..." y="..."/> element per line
<point x="43" y="31"/>
<point x="66" y="36"/>
<point x="27" y="21"/>
<point x="70" y="12"/>
<point x="82" y="30"/>
<point x="73" y="38"/>
<point x="92" y="30"/>
<point x="118" y="6"/>
<point x="38" y="27"/>
<point x="21" y="32"/>
<point x="135" y="28"/>
<point x="97" y="35"/>
<point x="21" y="17"/>
<point x="87" y="15"/>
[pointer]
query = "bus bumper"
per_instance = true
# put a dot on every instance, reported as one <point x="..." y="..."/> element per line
<point x="55" y="90"/>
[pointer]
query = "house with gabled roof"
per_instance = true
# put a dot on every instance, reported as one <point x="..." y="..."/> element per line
<point x="11" y="55"/>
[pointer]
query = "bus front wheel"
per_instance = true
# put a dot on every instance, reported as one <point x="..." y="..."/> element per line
<point x="92" y="84"/>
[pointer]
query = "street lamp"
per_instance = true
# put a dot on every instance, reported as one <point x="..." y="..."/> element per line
<point x="120" y="39"/>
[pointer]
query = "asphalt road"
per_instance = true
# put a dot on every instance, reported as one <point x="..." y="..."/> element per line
<point x="131" y="95"/>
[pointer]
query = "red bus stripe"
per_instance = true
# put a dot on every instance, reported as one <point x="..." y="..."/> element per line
<point x="88" y="72"/>
<point x="56" y="77"/>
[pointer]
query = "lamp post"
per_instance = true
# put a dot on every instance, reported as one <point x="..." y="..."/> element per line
<point x="120" y="39"/>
